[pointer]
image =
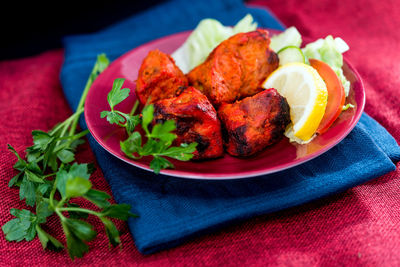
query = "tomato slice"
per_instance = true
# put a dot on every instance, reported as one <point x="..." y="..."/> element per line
<point x="336" y="94"/>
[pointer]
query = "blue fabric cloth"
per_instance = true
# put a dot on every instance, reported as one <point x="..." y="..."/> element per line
<point x="173" y="210"/>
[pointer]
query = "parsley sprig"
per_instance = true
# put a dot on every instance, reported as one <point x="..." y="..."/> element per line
<point x="49" y="180"/>
<point x="156" y="142"/>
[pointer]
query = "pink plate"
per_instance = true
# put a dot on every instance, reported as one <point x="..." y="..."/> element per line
<point x="280" y="156"/>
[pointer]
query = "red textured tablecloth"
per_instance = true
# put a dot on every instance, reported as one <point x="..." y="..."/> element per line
<point x="358" y="227"/>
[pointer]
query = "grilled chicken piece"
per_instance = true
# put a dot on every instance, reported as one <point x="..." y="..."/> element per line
<point x="158" y="78"/>
<point x="236" y="68"/>
<point x="196" y="121"/>
<point x="252" y="124"/>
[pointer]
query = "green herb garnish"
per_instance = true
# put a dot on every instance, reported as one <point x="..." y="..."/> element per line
<point x="49" y="178"/>
<point x="158" y="140"/>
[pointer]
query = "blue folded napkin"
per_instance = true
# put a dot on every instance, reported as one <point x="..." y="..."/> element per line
<point x="173" y="210"/>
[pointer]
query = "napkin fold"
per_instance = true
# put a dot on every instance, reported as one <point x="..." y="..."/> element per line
<point x="172" y="210"/>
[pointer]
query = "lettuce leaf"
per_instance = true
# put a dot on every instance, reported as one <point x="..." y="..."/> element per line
<point x="208" y="34"/>
<point x="290" y="37"/>
<point x="330" y="51"/>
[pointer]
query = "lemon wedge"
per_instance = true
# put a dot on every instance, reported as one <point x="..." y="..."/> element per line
<point x="306" y="94"/>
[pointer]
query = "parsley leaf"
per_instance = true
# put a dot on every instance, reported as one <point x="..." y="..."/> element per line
<point x="99" y="198"/>
<point x="111" y="231"/>
<point x="41" y="140"/>
<point x="117" y="94"/>
<point x="132" y="122"/>
<point x="159" y="137"/>
<point x="114" y="97"/>
<point x="183" y="152"/>
<point x="47" y="240"/>
<point x="158" y="163"/>
<point x="147" y="117"/>
<point x="118" y="211"/>
<point x="66" y="155"/>
<point x="22" y="227"/>
<point x="27" y="191"/>
<point x="132" y="145"/>
<point x="164" y="133"/>
<point x="76" y="246"/>
<point x="77" y="187"/>
<point x="113" y="117"/>
<point x="20" y="164"/>
<point x="66" y="179"/>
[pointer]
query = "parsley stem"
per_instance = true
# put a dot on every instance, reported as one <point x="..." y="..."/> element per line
<point x="49" y="175"/>
<point x="66" y="122"/>
<point x="80" y="105"/>
<point x="62" y="217"/>
<point x="135" y="106"/>
<point x="74" y="137"/>
<point x="97" y="69"/>
<point x="71" y="139"/>
<point x="81" y="210"/>
<point x="53" y="191"/>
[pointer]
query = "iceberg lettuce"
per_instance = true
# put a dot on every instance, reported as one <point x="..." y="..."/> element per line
<point x="208" y="34"/>
<point x="290" y="37"/>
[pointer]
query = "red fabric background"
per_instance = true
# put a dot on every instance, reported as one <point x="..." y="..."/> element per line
<point x="357" y="227"/>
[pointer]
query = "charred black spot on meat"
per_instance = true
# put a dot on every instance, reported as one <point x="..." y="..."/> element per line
<point x="202" y="143"/>
<point x="273" y="58"/>
<point x="239" y="137"/>
<point x="183" y="124"/>
<point x="281" y="120"/>
<point x="159" y="111"/>
<point x="283" y="117"/>
<point x="180" y="90"/>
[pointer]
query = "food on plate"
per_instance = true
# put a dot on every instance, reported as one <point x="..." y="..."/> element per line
<point x="323" y="55"/>
<point x="255" y="122"/>
<point x="306" y="95"/>
<point x="232" y="89"/>
<point x="235" y="68"/>
<point x="233" y="71"/>
<point x="158" y="78"/>
<point x="196" y="121"/>
<point x="336" y="94"/>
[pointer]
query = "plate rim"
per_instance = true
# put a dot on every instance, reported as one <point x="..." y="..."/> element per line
<point x="248" y="174"/>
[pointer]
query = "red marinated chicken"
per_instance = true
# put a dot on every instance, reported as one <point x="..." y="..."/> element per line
<point x="196" y="121"/>
<point x="236" y="68"/>
<point x="254" y="123"/>
<point x="158" y="78"/>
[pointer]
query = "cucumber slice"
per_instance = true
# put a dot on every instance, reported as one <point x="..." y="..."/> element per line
<point x="290" y="54"/>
